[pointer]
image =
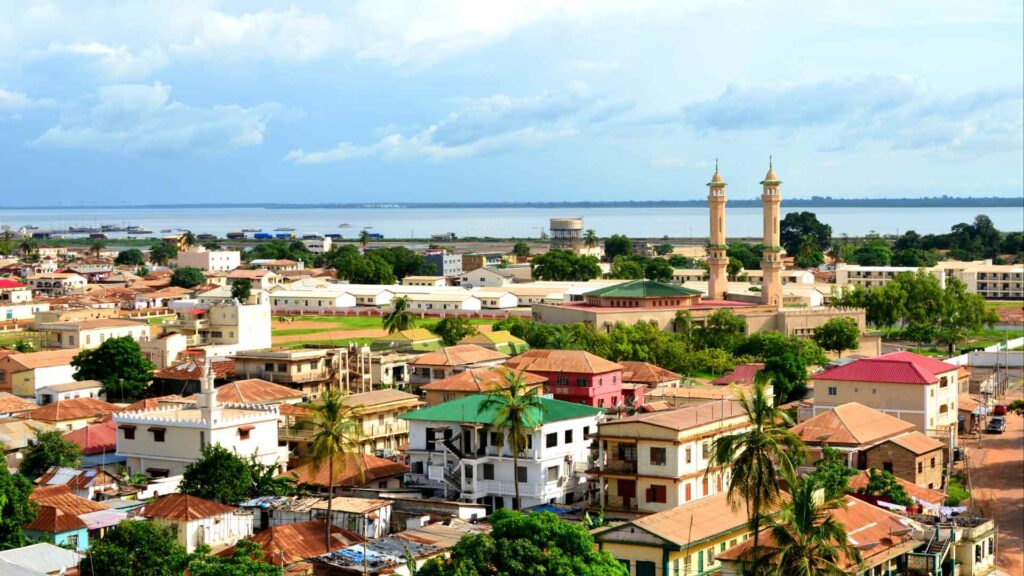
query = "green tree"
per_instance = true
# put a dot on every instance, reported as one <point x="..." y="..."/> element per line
<point x="219" y="475"/>
<point x="563" y="265"/>
<point x="884" y="485"/>
<point x="96" y="247"/>
<point x="364" y="238"/>
<point x="521" y="544"/>
<point x="590" y="239"/>
<point x="518" y="411"/>
<point x="279" y="249"/>
<point x="734" y="269"/>
<point x="809" y="254"/>
<point x="723" y="329"/>
<point x="808" y="541"/>
<point x="658" y="270"/>
<point x="29" y="248"/>
<point x="838" y="334"/>
<point x="241" y="289"/>
<point x="266" y="480"/>
<point x="710" y="360"/>
<point x="189" y="239"/>
<point x="1017" y="407"/>
<point x="130" y="257"/>
<point x="914" y="257"/>
<point x="453" y="329"/>
<point x="187" y="277"/>
<point x="831" y="472"/>
<point x="961" y="315"/>
<point x="786" y="360"/>
<point x="872" y="251"/>
<point x="162" y="252"/>
<point x="521" y="249"/>
<point x="23" y="346"/>
<point x="749" y="255"/>
<point x="16" y="509"/>
<point x="758" y="455"/>
<point x="119" y="364"/>
<point x="336" y="436"/>
<point x="245" y="560"/>
<point x="617" y="245"/>
<point x="677" y="261"/>
<point x="399" y="318"/>
<point x="663" y="249"/>
<point x="626" y="269"/>
<point x="798" y="227"/>
<point x="135" y="549"/>
<point x="50" y="449"/>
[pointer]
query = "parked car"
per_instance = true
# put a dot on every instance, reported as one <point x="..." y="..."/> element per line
<point x="958" y="454"/>
<point x="996" y="425"/>
<point x="999" y="410"/>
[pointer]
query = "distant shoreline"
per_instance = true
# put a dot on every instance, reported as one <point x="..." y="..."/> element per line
<point x="813" y="202"/>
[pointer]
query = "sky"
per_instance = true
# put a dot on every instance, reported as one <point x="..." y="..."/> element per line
<point x="195" y="101"/>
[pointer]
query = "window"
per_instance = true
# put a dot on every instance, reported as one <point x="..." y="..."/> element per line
<point x="933" y="462"/>
<point x="562" y="381"/>
<point x="243" y="432"/>
<point x="943" y="382"/>
<point x="920" y="467"/>
<point x="711" y="556"/>
<point x="488" y="471"/>
<point x="581" y="382"/>
<point x="657" y="494"/>
<point x="551" y="440"/>
<point x="129" y="432"/>
<point x="586" y="431"/>
<point x="494" y="439"/>
<point x="833" y="391"/>
<point x="72" y="541"/>
<point x="887" y="466"/>
<point x="158" y="434"/>
<point x="659" y="456"/>
<point x="689" y="454"/>
<point x="282" y="367"/>
<point x="705" y="449"/>
<point x="568" y="436"/>
<point x="552" y="474"/>
<point x="521" y="474"/>
<point x="468" y="470"/>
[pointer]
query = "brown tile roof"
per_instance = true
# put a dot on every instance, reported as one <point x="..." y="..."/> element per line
<point x="571" y="361"/>
<point x="692" y="522"/>
<point x="192" y="370"/>
<point x="851" y="424"/>
<point x="646" y="373"/>
<point x="73" y="409"/>
<point x="32" y="360"/>
<point x="254" y="390"/>
<point x="347" y="471"/>
<point x="917" y="442"/>
<point x="42" y="492"/>
<point x="460" y="355"/>
<point x="680" y="419"/>
<point x="291" y="543"/>
<point x="53" y="520"/>
<point x="860" y="481"/>
<point x="184" y="507"/>
<point x="9" y="404"/>
<point x="67" y="502"/>
<point x="480" y="380"/>
<point x="368" y="400"/>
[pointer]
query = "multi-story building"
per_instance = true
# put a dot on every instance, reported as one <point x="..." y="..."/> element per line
<point x="210" y="260"/>
<point x="445" y="263"/>
<point x="475" y="381"/>
<point x="318" y="245"/>
<point x="656" y="461"/>
<point x="379" y="412"/>
<point x="88" y="334"/>
<point x="58" y="283"/>
<point x="12" y="292"/>
<point x="311" y="371"/>
<point x="911" y="387"/>
<point x="995" y="282"/>
<point x="992" y="281"/>
<point x="873" y="276"/>
<point x="575" y="376"/>
<point x="443" y="363"/>
<point x="481" y="260"/>
<point x="455" y="450"/>
<point x="224" y="324"/>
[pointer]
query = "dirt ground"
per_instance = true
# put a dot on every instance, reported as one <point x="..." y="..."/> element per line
<point x="997" y="475"/>
<point x="1010" y="315"/>
<point x="329" y="334"/>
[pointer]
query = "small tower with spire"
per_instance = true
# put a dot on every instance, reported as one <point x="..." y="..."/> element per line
<point x="206" y="399"/>
<point x="718" y="260"/>
<point x="771" y="260"/>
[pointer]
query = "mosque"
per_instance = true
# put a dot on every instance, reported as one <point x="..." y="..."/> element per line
<point x="657" y="303"/>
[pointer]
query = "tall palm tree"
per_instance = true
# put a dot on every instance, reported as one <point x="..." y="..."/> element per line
<point x="808" y="541"/>
<point x="364" y="238"/>
<point x="590" y="238"/>
<point x="517" y="411"/>
<point x="336" y="436"/>
<point x="757" y="455"/>
<point x="97" y="247"/>
<point x="28" y="246"/>
<point x="189" y="240"/>
<point x="399" y="318"/>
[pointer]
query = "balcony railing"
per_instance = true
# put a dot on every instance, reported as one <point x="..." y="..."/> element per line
<point x="620" y="466"/>
<point x="377" y="430"/>
<point x="287" y="377"/>
<point x="508" y="488"/>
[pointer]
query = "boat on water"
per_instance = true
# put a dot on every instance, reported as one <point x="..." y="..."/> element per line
<point x="235" y="235"/>
<point x="166" y="231"/>
<point x="252" y="230"/>
<point x="284" y="229"/>
<point x="344" y="225"/>
<point x="138" y="230"/>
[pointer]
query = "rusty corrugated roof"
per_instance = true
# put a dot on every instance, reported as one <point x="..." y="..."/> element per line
<point x="291" y="543"/>
<point x="184" y="507"/>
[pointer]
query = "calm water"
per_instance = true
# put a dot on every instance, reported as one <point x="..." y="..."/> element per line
<point x="503" y="222"/>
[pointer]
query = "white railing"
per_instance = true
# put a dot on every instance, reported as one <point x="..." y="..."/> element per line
<point x="508" y="488"/>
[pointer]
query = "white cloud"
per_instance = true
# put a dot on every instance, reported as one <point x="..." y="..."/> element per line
<point x="117" y="62"/>
<point x="143" y="119"/>
<point x="14" y="101"/>
<point x="485" y="125"/>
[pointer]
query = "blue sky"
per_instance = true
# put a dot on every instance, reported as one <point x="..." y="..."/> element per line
<point x="219" y="101"/>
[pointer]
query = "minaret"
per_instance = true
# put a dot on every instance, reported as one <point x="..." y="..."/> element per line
<point x="771" y="261"/>
<point x="206" y="399"/>
<point x="718" y="261"/>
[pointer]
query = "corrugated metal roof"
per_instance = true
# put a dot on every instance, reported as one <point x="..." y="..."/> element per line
<point x="73" y="409"/>
<point x="568" y="361"/>
<point x="460" y="355"/>
<point x="478" y="380"/>
<point x="291" y="543"/>
<point x="53" y="520"/>
<point x="892" y="368"/>
<point x="185" y="507"/>
<point x="470" y="410"/>
<point x="646" y="373"/>
<point x="349" y="471"/>
<point x="852" y="424"/>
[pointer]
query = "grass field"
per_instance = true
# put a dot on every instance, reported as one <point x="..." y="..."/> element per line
<point x="339" y="343"/>
<point x="1004" y="303"/>
<point x="364" y="322"/>
<point x="10" y="338"/>
<point x="158" y="320"/>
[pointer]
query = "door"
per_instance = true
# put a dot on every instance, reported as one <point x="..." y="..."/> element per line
<point x="627" y="490"/>
<point x="644" y="568"/>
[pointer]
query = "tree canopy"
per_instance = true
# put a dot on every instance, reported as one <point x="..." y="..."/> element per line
<point x="279" y="249"/>
<point x="187" y="277"/>
<point x="831" y="472"/>
<point x="799" y="228"/>
<point x="241" y="289"/>
<point x="564" y="265"/>
<point x="521" y="249"/>
<point x="119" y="364"/>
<point x="617" y="245"/>
<point x="885" y="486"/>
<point x="838" y="334"/>
<point x="219" y="475"/>
<point x="50" y="449"/>
<point x="452" y="329"/>
<point x="135" y="549"/>
<point x="245" y="560"/>
<point x="16" y="509"/>
<point x="130" y="257"/>
<point x="521" y="544"/>
<point x="162" y="252"/>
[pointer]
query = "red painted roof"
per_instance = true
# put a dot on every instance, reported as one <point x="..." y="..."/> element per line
<point x="95" y="438"/>
<point x="742" y="374"/>
<point x="5" y="283"/>
<point x="892" y="368"/>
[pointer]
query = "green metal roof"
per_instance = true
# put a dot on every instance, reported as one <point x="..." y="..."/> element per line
<point x="467" y="410"/>
<point x="643" y="289"/>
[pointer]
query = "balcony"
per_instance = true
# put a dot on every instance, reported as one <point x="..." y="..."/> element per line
<point x="508" y="488"/>
<point x="616" y="466"/>
<point x="288" y="377"/>
<point x="188" y="322"/>
<point x="378" y="430"/>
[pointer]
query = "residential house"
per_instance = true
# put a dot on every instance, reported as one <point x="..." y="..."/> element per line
<point x="68" y="415"/>
<point x="292" y="546"/>
<point x="256" y="391"/>
<point x="69" y="391"/>
<point x="93" y="272"/>
<point x="86" y="484"/>
<point x="11" y="405"/>
<point x="309" y="371"/>
<point x="575" y="376"/>
<point x="481" y="260"/>
<point x="261" y="279"/>
<point x="351" y="472"/>
<point x="17" y="434"/>
<point x="413" y="340"/>
<point x="185" y="378"/>
<point x="679" y="541"/>
<point x="15" y="300"/>
<point x="209" y="260"/>
<point x="485" y="278"/>
<point x="455" y="451"/>
<point x="424" y="281"/>
<point x="657" y="461"/>
<point x="43" y="559"/>
<point x="63" y="529"/>
<point x="930" y="500"/>
<point x="741" y="374"/>
<point x="223" y="325"/>
<point x="58" y="283"/>
<point x="443" y="363"/>
<point x="162" y="440"/>
<point x="475" y="381"/>
<point x="304" y="299"/>
<point x="197" y="522"/>
<point x="648" y="375"/>
<point x="98" y="442"/>
<point x="914" y="388"/>
<point x="161" y="298"/>
<point x="445" y="264"/>
<point x="496" y="299"/>
<point x="378" y="412"/>
<point x="913" y="456"/>
<point x="318" y="245"/>
<point x="163" y="350"/>
<point x="499" y="340"/>
<point x="88" y="334"/>
<point x="442" y="302"/>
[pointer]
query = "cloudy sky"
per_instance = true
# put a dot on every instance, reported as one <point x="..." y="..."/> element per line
<point x="221" y="101"/>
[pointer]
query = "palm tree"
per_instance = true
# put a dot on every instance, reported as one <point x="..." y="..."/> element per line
<point x="96" y="247"/>
<point x="757" y="455"/>
<point x="364" y="238"/>
<point x="189" y="239"/>
<point x="807" y="539"/>
<point x="590" y="238"/>
<point x="336" y="436"/>
<point x="399" y="318"/>
<point x="517" y="411"/>
<point x="28" y="246"/>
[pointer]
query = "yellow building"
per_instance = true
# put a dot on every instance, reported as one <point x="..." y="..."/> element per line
<point x="682" y="541"/>
<point x="657" y="461"/>
<point x="377" y="412"/>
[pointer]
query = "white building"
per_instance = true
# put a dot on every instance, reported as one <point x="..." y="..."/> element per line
<point x="318" y="245"/>
<point x="161" y="441"/>
<point x="495" y="299"/>
<point x="282" y="297"/>
<point x="58" y="283"/>
<point x="486" y="278"/>
<point x="454" y="450"/>
<point x="68" y="391"/>
<point x="434" y="302"/>
<point x="197" y="522"/>
<point x="88" y="334"/>
<point x="222" y="324"/>
<point x="210" y="260"/>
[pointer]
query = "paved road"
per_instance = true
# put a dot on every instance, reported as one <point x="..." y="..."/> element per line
<point x="998" y="488"/>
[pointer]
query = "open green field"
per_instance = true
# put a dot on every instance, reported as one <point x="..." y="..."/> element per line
<point x="8" y="339"/>
<point x="365" y="322"/>
<point x="338" y="343"/>
<point x="1004" y="303"/>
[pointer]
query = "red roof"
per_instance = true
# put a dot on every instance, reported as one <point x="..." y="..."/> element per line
<point x="193" y="370"/>
<point x="95" y="438"/>
<point x="193" y="311"/>
<point x="52" y="520"/>
<point x="892" y="368"/>
<point x="742" y="374"/>
<point x="184" y="507"/>
<point x="348" y="471"/>
<point x="5" y="283"/>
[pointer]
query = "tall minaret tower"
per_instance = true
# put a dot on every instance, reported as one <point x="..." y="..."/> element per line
<point x="718" y="261"/>
<point x="771" y="261"/>
<point x="206" y="400"/>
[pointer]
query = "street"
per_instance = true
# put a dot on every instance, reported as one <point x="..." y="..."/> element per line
<point x="997" y="476"/>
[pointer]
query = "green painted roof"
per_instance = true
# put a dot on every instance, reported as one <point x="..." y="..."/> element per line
<point x="467" y="410"/>
<point x="643" y="289"/>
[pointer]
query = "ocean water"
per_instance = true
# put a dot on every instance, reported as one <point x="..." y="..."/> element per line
<point x="502" y="222"/>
